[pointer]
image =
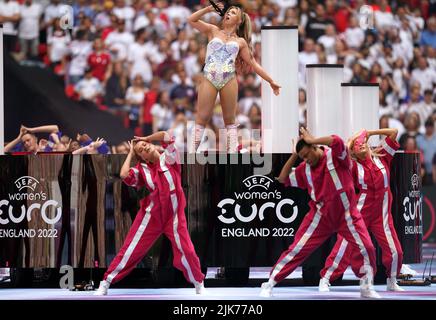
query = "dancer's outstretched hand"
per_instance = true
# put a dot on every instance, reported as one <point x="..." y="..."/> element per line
<point x="275" y="87"/>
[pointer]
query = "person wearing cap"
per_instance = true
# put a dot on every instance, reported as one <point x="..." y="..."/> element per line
<point x="103" y="18"/>
<point x="370" y="171"/>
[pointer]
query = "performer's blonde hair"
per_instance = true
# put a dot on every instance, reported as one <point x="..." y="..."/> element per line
<point x="243" y="31"/>
<point x="373" y="151"/>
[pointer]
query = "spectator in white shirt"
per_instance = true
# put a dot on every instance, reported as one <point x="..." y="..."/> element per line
<point x="80" y="48"/>
<point x="424" y="75"/>
<point x="328" y="39"/>
<point x="58" y="43"/>
<point x="53" y="11"/>
<point x="413" y="104"/>
<point x="401" y="77"/>
<point x="194" y="58"/>
<point x="284" y="5"/>
<point x="134" y="99"/>
<point x="354" y="35"/>
<point x="138" y="56"/>
<point x="384" y="107"/>
<point x="177" y="10"/>
<point x="307" y="56"/>
<point x="179" y="47"/>
<point x="402" y="47"/>
<point x="423" y="108"/>
<point x="89" y="88"/>
<point x="302" y="108"/>
<point x="28" y="32"/>
<point x="9" y="16"/>
<point x="383" y="18"/>
<point x="162" y="112"/>
<point x="141" y="21"/>
<point x="417" y="19"/>
<point x="118" y="42"/>
<point x="124" y="12"/>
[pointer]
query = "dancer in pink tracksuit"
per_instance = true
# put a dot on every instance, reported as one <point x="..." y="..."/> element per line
<point x="325" y="173"/>
<point x="370" y="172"/>
<point x="162" y="211"/>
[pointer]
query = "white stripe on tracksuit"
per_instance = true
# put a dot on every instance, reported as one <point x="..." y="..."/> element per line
<point x="136" y="172"/>
<point x="300" y="244"/>
<point x="312" y="227"/>
<point x="337" y="260"/>
<point x="344" y="243"/>
<point x="388" y="235"/>
<point x="147" y="174"/>
<point x="309" y="180"/>
<point x="387" y="148"/>
<point x="293" y="179"/>
<point x="132" y="244"/>
<point x="349" y="220"/>
<point x="346" y="204"/>
<point x="361" y="175"/>
<point x="175" y="206"/>
<point x="387" y="230"/>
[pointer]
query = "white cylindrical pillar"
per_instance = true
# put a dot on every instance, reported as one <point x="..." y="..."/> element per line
<point x="360" y="102"/>
<point x="2" y="107"/>
<point x="280" y="113"/>
<point x="324" y="99"/>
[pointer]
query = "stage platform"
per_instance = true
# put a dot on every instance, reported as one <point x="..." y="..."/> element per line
<point x="241" y="294"/>
<point x="290" y="289"/>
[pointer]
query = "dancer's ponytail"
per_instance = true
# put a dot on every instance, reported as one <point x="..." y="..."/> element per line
<point x="244" y="31"/>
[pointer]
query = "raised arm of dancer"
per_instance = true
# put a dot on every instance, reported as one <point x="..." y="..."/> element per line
<point x="250" y="60"/>
<point x="287" y="168"/>
<point x="17" y="140"/>
<point x="50" y="128"/>
<point x="204" y="27"/>
<point x="390" y="132"/>
<point x="305" y="134"/>
<point x="124" y="172"/>
<point x="157" y="136"/>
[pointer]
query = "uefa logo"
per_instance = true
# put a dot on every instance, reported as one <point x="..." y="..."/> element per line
<point x="258" y="188"/>
<point x="37" y="201"/>
<point x="257" y="181"/>
<point x="26" y="182"/>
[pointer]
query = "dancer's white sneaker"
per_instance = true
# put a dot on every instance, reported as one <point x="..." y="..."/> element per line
<point x="200" y="289"/>
<point x="406" y="269"/>
<point x="266" y="290"/>
<point x="367" y="287"/>
<point x="369" y="293"/>
<point x="392" y="285"/>
<point x="102" y="289"/>
<point x="324" y="285"/>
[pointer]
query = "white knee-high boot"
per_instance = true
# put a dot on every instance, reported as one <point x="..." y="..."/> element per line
<point x="196" y="135"/>
<point x="232" y="138"/>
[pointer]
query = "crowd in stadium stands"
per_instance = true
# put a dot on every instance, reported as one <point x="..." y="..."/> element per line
<point x="141" y="61"/>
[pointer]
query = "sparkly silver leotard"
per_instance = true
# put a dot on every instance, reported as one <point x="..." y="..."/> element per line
<point x="220" y="61"/>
